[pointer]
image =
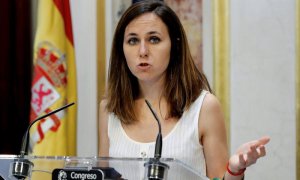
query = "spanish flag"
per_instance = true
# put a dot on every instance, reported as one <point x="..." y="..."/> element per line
<point x="54" y="81"/>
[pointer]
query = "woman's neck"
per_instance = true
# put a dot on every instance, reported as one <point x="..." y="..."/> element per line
<point x="152" y="91"/>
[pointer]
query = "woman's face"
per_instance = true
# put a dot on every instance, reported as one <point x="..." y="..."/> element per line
<point x="147" y="47"/>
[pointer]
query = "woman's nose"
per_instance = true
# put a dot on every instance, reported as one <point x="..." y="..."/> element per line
<point x="143" y="51"/>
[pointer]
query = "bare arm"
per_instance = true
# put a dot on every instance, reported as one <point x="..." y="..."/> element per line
<point x="213" y="137"/>
<point x="103" y="144"/>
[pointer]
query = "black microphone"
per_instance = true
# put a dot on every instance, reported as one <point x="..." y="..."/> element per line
<point x="158" y="142"/>
<point x="155" y="168"/>
<point x="21" y="167"/>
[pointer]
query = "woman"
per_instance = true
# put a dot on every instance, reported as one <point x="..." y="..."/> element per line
<point x="151" y="60"/>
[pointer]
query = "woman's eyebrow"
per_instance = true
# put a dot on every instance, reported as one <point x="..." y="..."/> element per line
<point x="131" y="34"/>
<point x="153" y="32"/>
<point x="149" y="33"/>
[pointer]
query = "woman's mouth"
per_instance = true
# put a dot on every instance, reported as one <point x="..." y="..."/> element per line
<point x="144" y="66"/>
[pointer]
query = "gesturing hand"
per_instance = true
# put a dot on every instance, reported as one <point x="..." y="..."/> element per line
<point x="247" y="154"/>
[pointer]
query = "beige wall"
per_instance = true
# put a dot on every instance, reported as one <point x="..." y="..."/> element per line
<point x="84" y="17"/>
<point x="263" y="82"/>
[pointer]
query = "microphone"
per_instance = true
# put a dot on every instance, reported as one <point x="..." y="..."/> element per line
<point x="158" y="142"/>
<point x="21" y="167"/>
<point x="155" y="168"/>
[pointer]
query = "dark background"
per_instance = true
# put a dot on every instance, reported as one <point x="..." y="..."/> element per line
<point x="15" y="73"/>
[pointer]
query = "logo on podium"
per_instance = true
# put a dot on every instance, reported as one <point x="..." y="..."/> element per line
<point x="77" y="174"/>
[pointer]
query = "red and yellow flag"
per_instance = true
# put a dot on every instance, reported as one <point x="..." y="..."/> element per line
<point x="54" y="81"/>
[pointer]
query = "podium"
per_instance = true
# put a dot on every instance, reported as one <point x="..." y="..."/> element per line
<point x="61" y="167"/>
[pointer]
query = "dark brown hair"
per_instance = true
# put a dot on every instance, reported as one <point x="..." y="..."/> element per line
<point x="184" y="82"/>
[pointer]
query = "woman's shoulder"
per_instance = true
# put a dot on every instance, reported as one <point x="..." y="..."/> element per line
<point x="211" y="108"/>
<point x="103" y="104"/>
<point x="211" y="117"/>
<point x="103" y="108"/>
<point x="211" y="102"/>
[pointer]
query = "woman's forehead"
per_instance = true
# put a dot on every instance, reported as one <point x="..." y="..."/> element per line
<point x="146" y="22"/>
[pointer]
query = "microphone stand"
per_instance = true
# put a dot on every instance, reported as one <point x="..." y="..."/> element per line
<point x="21" y="167"/>
<point x="154" y="168"/>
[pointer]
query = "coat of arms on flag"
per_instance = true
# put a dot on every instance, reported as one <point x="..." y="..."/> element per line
<point x="50" y="76"/>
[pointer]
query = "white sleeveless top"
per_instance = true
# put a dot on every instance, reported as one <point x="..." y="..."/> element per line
<point x="181" y="143"/>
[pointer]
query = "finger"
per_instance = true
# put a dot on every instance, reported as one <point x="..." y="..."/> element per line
<point x="252" y="155"/>
<point x="254" y="151"/>
<point x="245" y="147"/>
<point x="259" y="142"/>
<point x="242" y="160"/>
<point x="263" y="140"/>
<point x="262" y="151"/>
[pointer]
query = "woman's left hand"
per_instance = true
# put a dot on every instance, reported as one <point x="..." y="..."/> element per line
<point x="247" y="154"/>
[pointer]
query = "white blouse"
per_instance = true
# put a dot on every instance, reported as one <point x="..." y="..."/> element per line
<point x="181" y="143"/>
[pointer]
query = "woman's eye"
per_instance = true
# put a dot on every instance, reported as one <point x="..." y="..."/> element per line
<point x="154" y="40"/>
<point x="132" y="41"/>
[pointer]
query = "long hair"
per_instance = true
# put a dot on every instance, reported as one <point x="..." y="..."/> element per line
<point x="184" y="82"/>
